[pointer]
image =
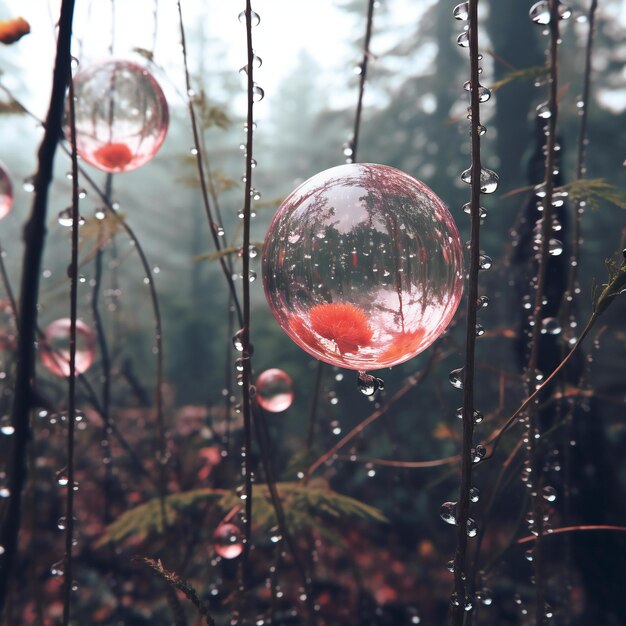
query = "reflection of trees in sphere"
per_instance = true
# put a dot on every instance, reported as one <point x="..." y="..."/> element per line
<point x="228" y="541"/>
<point x="6" y="192"/>
<point x="274" y="390"/>
<point x="121" y="115"/>
<point x="54" y="350"/>
<point x="362" y="266"/>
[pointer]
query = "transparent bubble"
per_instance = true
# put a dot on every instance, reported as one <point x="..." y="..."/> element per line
<point x="228" y="541"/>
<point x="448" y="512"/>
<point x="550" y="326"/>
<point x="6" y="192"/>
<point x="274" y="390"/>
<point x="54" y="350"/>
<point x="121" y="115"/>
<point x="362" y="266"/>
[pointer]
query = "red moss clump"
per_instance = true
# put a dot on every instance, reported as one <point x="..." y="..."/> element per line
<point x="114" y="155"/>
<point x="345" y="324"/>
<point x="403" y="344"/>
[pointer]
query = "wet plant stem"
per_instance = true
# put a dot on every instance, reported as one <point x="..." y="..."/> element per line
<point x="213" y="225"/>
<point x="263" y="438"/>
<point x="412" y="382"/>
<point x="364" y="63"/>
<point x="546" y="229"/>
<point x="6" y="283"/>
<point x="463" y="503"/>
<point x="34" y="240"/>
<point x="581" y="160"/>
<point x="245" y="334"/>
<point x="71" y="411"/>
<point x="317" y="387"/>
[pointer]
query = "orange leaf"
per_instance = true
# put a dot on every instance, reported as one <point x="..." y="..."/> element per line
<point x="13" y="30"/>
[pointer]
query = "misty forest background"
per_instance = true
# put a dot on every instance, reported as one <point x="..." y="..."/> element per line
<point x="364" y="570"/>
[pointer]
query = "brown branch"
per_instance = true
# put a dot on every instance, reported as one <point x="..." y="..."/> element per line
<point x="34" y="240"/>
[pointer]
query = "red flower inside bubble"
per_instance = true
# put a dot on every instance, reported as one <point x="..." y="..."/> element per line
<point x="345" y="324"/>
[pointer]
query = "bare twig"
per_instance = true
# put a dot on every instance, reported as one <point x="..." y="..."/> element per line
<point x="463" y="504"/>
<point x="71" y="412"/>
<point x="34" y="239"/>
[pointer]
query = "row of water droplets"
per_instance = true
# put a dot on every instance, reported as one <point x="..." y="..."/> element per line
<point x="542" y="494"/>
<point x="489" y="182"/>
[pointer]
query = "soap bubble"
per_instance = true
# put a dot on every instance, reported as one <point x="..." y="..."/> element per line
<point x="121" y="115"/>
<point x="54" y="350"/>
<point x="274" y="390"/>
<point x="362" y="266"/>
<point x="228" y="541"/>
<point x="6" y="192"/>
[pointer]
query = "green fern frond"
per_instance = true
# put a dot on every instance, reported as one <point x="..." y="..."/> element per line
<point x="615" y="287"/>
<point x="527" y="73"/>
<point x="305" y="505"/>
<point x="11" y="108"/>
<point x="593" y="191"/>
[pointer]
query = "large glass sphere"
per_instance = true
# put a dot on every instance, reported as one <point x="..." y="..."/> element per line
<point x="274" y="390"/>
<point x="362" y="266"/>
<point x="6" y="192"/>
<point x="121" y="115"/>
<point x="54" y="350"/>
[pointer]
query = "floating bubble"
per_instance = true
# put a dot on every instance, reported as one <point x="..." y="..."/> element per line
<point x="121" y="116"/>
<point x="54" y="350"/>
<point x="274" y="390"/>
<point x="228" y="541"/>
<point x="362" y="266"/>
<point x="6" y="192"/>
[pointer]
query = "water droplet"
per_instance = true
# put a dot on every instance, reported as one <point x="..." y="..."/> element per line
<point x="472" y="528"/>
<point x="368" y="384"/>
<point x="529" y="555"/>
<point x="64" y="218"/>
<point x="257" y="93"/>
<point x="480" y="330"/>
<point x="57" y="569"/>
<point x="482" y="212"/>
<point x="62" y="478"/>
<point x="468" y="604"/>
<point x="540" y="13"/>
<point x="461" y="11"/>
<point x="478" y="453"/>
<point x="484" y="262"/>
<point x="543" y="111"/>
<point x="555" y="247"/>
<point x="474" y="494"/>
<point x="463" y="39"/>
<point x="275" y="534"/>
<point x="29" y="184"/>
<point x="489" y="180"/>
<point x="6" y="426"/>
<point x="456" y="378"/>
<point x="238" y="338"/>
<point x="550" y="326"/>
<point x="255" y="18"/>
<point x="549" y="493"/>
<point x="455" y="600"/>
<point x="448" y="512"/>
<point x="482" y="302"/>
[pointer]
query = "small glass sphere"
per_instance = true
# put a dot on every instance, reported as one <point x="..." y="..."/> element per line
<point x="121" y="116"/>
<point x="54" y="350"/>
<point x="274" y="390"/>
<point x="362" y="266"/>
<point x="228" y="541"/>
<point x="6" y="192"/>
